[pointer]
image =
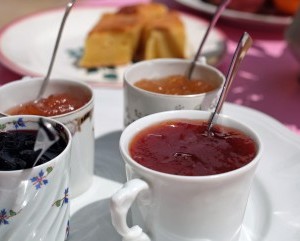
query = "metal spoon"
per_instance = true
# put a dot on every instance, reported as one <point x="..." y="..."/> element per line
<point x="46" y="79"/>
<point x="213" y="22"/>
<point x="46" y="137"/>
<point x="240" y="52"/>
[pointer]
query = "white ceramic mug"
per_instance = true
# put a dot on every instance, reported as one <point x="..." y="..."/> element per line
<point x="34" y="202"/>
<point x="139" y="102"/>
<point x="80" y="122"/>
<point x="181" y="208"/>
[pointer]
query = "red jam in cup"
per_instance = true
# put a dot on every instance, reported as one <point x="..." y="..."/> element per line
<point x="55" y="104"/>
<point x="183" y="147"/>
<point x="175" y="85"/>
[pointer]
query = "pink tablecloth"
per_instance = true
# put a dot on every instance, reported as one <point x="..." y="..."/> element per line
<point x="268" y="79"/>
<point x="269" y="76"/>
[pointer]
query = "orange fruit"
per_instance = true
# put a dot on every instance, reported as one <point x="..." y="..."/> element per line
<point x="251" y="6"/>
<point x="287" y="6"/>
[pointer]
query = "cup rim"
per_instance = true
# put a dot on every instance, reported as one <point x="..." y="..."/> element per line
<point x="174" y="60"/>
<point x="175" y="114"/>
<point x="58" y="80"/>
<point x="67" y="148"/>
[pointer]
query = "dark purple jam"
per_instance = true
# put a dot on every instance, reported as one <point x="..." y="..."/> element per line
<point x="16" y="150"/>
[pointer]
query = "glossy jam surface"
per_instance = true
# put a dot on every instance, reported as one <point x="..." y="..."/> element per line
<point x="16" y="150"/>
<point x="182" y="147"/>
<point x="53" y="105"/>
<point x="175" y="85"/>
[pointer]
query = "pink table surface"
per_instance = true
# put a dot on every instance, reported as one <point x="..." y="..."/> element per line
<point x="268" y="79"/>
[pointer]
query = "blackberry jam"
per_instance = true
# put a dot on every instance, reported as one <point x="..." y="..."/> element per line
<point x="16" y="150"/>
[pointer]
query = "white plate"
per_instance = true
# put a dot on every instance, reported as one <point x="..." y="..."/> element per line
<point x="273" y="211"/>
<point x="27" y="44"/>
<point x="238" y="16"/>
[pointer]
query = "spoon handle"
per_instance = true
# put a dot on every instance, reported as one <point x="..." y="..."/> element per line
<point x="213" y="22"/>
<point x="244" y="44"/>
<point x="46" y="79"/>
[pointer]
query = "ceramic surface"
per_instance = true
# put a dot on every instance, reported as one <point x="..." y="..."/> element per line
<point x="80" y="123"/>
<point x="182" y="208"/>
<point x="139" y="103"/>
<point x="273" y="208"/>
<point x="34" y="203"/>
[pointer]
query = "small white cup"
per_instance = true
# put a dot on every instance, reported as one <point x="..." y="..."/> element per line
<point x="34" y="202"/>
<point x="139" y="102"/>
<point x="182" y="208"/>
<point x="80" y="122"/>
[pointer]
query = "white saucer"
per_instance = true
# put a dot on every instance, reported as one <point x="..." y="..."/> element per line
<point x="273" y="211"/>
<point x="26" y="45"/>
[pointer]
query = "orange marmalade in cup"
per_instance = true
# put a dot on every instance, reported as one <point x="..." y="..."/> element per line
<point x="176" y="85"/>
<point x="55" y="104"/>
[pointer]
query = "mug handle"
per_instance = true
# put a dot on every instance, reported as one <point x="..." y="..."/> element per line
<point x="120" y="203"/>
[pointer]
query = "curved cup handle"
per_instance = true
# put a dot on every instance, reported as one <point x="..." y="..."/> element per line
<point x="120" y="203"/>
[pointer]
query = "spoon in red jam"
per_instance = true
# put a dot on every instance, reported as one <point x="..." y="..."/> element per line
<point x="212" y="23"/>
<point x="244" y="44"/>
<point x="46" y="79"/>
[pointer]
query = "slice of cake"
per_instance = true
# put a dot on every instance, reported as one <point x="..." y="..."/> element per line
<point x="148" y="11"/>
<point x="112" y="41"/>
<point x="163" y="37"/>
<point x="140" y="31"/>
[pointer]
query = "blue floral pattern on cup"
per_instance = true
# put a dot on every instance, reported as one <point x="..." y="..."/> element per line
<point x="67" y="230"/>
<point x="19" y="123"/>
<point x="62" y="201"/>
<point x="5" y="215"/>
<point x="38" y="182"/>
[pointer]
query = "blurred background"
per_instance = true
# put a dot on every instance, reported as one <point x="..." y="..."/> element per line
<point x="268" y="79"/>
<point x="11" y="9"/>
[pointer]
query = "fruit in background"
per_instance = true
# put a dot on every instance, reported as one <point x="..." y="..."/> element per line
<point x="244" y="5"/>
<point x="287" y="6"/>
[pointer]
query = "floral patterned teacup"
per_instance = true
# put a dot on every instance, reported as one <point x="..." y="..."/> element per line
<point x="80" y="122"/>
<point x="139" y="102"/>
<point x="34" y="202"/>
